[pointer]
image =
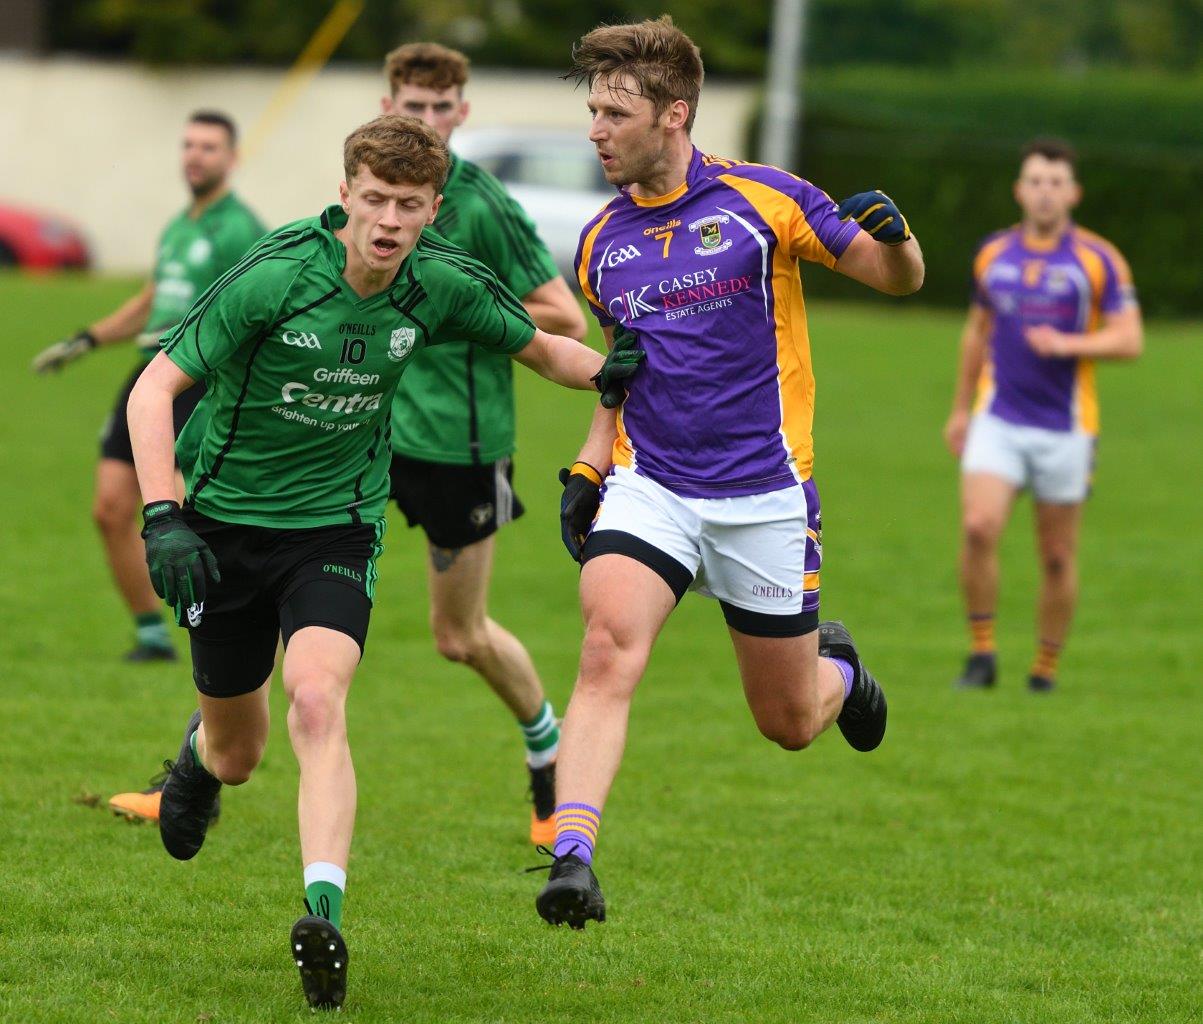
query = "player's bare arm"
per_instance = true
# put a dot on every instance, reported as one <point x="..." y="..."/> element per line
<point x="554" y="309"/>
<point x="974" y="339"/>
<point x="152" y="434"/>
<point x="892" y="269"/>
<point x="1121" y="336"/>
<point x="123" y="323"/>
<point x="564" y="361"/>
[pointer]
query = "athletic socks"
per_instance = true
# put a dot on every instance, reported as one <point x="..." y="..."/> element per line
<point x="576" y="830"/>
<point x="542" y="737"/>
<point x="151" y="631"/>
<point x="325" y="884"/>
<point x="981" y="633"/>
<point x="847" y="671"/>
<point x="1045" y="665"/>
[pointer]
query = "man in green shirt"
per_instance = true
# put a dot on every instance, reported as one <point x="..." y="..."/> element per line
<point x="453" y="420"/>
<point x="302" y="345"/>
<point x="199" y="245"/>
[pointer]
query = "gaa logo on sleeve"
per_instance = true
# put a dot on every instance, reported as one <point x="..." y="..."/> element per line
<point x="401" y="343"/>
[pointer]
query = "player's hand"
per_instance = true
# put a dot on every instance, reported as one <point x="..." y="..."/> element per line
<point x="876" y="213"/>
<point x="956" y="430"/>
<point x="1047" y="341"/>
<point x="177" y="558"/>
<point x="622" y="361"/>
<point x="578" y="505"/>
<point x="63" y="352"/>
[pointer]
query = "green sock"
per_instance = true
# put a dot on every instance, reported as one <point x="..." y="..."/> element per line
<point x="325" y="884"/>
<point x="542" y="736"/>
<point x="151" y="631"/>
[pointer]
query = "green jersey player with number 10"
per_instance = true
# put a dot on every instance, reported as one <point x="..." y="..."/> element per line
<point x="302" y="345"/>
<point x="200" y="244"/>
<point x="453" y="420"/>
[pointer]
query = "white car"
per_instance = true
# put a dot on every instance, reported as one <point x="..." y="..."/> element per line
<point x="555" y="176"/>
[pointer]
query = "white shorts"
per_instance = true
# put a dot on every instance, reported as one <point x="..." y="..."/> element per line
<point x="758" y="554"/>
<point x="1056" y="465"/>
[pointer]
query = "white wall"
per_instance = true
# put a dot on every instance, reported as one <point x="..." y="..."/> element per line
<point x="98" y="141"/>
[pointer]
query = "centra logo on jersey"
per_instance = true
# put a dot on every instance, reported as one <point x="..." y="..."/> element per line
<point x="300" y="339"/>
<point x="627" y="252"/>
<point x="401" y="343"/>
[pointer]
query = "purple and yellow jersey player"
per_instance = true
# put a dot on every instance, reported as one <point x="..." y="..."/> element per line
<point x="708" y="276"/>
<point x="1070" y="282"/>
<point x="1049" y="299"/>
<point x="707" y="466"/>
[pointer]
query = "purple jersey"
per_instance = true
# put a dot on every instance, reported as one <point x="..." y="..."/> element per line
<point x="1069" y="284"/>
<point x="708" y="277"/>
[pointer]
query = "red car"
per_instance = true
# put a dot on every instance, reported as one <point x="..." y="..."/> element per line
<point x="41" y="241"/>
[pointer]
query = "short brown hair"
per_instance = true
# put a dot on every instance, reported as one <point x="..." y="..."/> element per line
<point x="217" y="119"/>
<point x="1051" y="149"/>
<point x="398" y="149"/>
<point x="426" y="64"/>
<point x="658" y="57"/>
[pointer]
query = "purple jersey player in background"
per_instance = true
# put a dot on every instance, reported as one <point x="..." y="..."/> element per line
<point x="707" y="465"/>
<point x="1049" y="299"/>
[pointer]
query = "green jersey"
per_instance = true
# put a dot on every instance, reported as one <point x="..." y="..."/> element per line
<point x="301" y="372"/>
<point x="456" y="403"/>
<point x="192" y="254"/>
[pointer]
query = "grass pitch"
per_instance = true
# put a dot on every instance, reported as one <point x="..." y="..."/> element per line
<point x="1002" y="858"/>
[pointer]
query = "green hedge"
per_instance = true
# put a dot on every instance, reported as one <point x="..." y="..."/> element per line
<point x="945" y="146"/>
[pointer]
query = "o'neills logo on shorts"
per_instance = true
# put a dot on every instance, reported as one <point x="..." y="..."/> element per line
<point x="766" y="590"/>
<point x="342" y="570"/>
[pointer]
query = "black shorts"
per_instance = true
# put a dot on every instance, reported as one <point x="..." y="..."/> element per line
<point x="114" y="439"/>
<point x="455" y="505"/>
<point x="274" y="582"/>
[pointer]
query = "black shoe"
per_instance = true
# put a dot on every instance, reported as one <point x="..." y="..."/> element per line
<point x="981" y="670"/>
<point x="190" y="797"/>
<point x="572" y="895"/>
<point x="1041" y="684"/>
<point x="150" y="652"/>
<point x="320" y="954"/>
<point x="863" y="719"/>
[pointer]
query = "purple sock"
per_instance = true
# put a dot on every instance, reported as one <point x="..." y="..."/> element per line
<point x="576" y="830"/>
<point x="847" y="671"/>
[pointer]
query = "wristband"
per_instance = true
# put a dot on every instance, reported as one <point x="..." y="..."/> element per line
<point x="158" y="509"/>
<point x="89" y="337"/>
<point x="587" y="471"/>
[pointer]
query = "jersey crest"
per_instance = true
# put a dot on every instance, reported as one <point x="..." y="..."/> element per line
<point x="401" y="343"/>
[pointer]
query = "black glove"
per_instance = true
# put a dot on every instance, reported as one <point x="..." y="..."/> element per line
<point x="622" y="361"/>
<point x="878" y="215"/>
<point x="61" y="353"/>
<point x="578" y="505"/>
<point x="177" y="558"/>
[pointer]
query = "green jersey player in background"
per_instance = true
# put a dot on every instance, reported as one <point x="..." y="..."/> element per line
<point x="302" y="345"/>
<point x="453" y="419"/>
<point x="200" y="244"/>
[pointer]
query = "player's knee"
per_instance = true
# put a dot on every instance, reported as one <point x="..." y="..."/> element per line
<point x="605" y="659"/>
<point x="982" y="530"/>
<point x="316" y="707"/>
<point x="790" y="732"/>
<point x="112" y="515"/>
<point x="1057" y="563"/>
<point x="233" y="765"/>
<point x="459" y="643"/>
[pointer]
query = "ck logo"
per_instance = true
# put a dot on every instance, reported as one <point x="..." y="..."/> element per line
<point x="627" y="252"/>
<point x="195" y="611"/>
<point x="300" y="339"/>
